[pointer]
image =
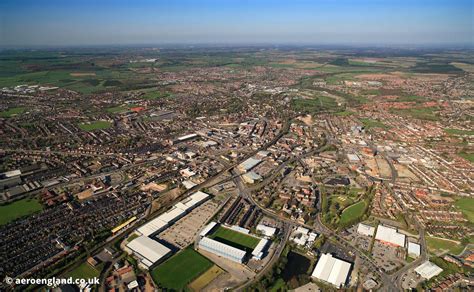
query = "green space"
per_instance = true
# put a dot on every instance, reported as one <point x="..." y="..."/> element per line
<point x="17" y="209"/>
<point x="132" y="237"/>
<point x="235" y="238"/>
<point x="467" y="156"/>
<point x="424" y="113"/>
<point x="344" y="113"/>
<point x="97" y="125"/>
<point x="370" y="123"/>
<point x="437" y="245"/>
<point x="352" y="212"/>
<point x="411" y="98"/>
<point x="179" y="270"/>
<point x="85" y="271"/>
<point x="120" y="108"/>
<point x="314" y="105"/>
<point x="156" y="95"/>
<point x="459" y="132"/>
<point x="14" y="111"/>
<point x="466" y="205"/>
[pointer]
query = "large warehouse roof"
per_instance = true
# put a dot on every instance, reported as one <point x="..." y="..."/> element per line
<point x="414" y="249"/>
<point x="428" y="270"/>
<point x="195" y="199"/>
<point x="390" y="235"/>
<point x="151" y="227"/>
<point x="172" y="215"/>
<point x="366" y="230"/>
<point x="331" y="270"/>
<point x="149" y="249"/>
<point x="208" y="228"/>
<point x="249" y="164"/>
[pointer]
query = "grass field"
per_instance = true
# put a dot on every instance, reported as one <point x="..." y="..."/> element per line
<point x="459" y="132"/>
<point x="425" y="113"/>
<point x="156" y="95"/>
<point x="344" y="114"/>
<point x="97" y="125"/>
<point x="352" y="212"/>
<point x="436" y="245"/>
<point x="234" y="238"/>
<point x="14" y="111"/>
<point x="18" y="209"/>
<point x="207" y="277"/>
<point x="466" y="205"/>
<point x="369" y="123"/>
<point x="180" y="269"/>
<point x="85" y="271"/>
<point x="467" y="156"/>
<point x="314" y="105"/>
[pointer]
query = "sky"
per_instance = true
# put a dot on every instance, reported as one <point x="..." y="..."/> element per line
<point x="134" y="22"/>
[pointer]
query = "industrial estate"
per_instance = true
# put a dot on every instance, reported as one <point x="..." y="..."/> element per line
<point x="251" y="168"/>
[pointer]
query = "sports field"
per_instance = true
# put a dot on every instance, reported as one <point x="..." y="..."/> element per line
<point x="437" y="245"/>
<point x="18" y="209"/>
<point x="234" y="238"/>
<point x="466" y="205"/>
<point x="352" y="212"/>
<point x="206" y="278"/>
<point x="97" y="125"/>
<point x="85" y="271"/>
<point x="179" y="270"/>
<point x="14" y="111"/>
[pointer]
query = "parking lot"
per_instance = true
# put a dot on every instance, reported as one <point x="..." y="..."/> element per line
<point x="361" y="241"/>
<point x="387" y="257"/>
<point x="185" y="230"/>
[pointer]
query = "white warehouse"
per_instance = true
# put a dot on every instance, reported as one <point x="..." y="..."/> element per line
<point x="147" y="250"/>
<point x="331" y="270"/>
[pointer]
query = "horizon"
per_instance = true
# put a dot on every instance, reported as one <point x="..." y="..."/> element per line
<point x="439" y="23"/>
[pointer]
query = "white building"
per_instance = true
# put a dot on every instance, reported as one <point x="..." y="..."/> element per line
<point x="194" y="200"/>
<point x="251" y="177"/>
<point x="154" y="226"/>
<point x="147" y="250"/>
<point x="221" y="249"/>
<point x="208" y="229"/>
<point x="366" y="230"/>
<point x="331" y="270"/>
<point x="414" y="249"/>
<point x="390" y="235"/>
<point x="248" y="164"/>
<point x="259" y="250"/>
<point x="267" y="231"/>
<point x="428" y="270"/>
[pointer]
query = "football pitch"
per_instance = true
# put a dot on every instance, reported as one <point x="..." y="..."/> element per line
<point x="179" y="270"/>
<point x="235" y="239"/>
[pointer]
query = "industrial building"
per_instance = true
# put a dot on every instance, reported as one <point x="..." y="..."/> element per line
<point x="414" y="249"/>
<point x="209" y="227"/>
<point x="267" y="231"/>
<point x="147" y="250"/>
<point x="390" y="235"/>
<point x="366" y="230"/>
<point x="428" y="270"/>
<point x="251" y="177"/>
<point x="221" y="249"/>
<point x="248" y="164"/>
<point x="331" y="270"/>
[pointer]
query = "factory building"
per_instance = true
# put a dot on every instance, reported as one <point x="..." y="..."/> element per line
<point x="148" y="251"/>
<point x="390" y="236"/>
<point x="331" y="270"/>
<point x="428" y="270"/>
<point x="221" y="249"/>
<point x="366" y="230"/>
<point x="248" y="164"/>
<point x="414" y="249"/>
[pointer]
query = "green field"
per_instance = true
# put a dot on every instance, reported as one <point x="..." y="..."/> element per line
<point x="18" y="209"/>
<point x="466" y="205"/>
<point x="352" y="212"/>
<point x="425" y="113"/>
<point x="459" y="132"/>
<point x="14" y="111"/>
<point x="314" y="105"/>
<point x="234" y="238"/>
<point x="97" y="125"/>
<point x="467" y="156"/>
<point x="156" y="95"/>
<point x="85" y="271"/>
<point x="179" y="270"/>
<point x="344" y="114"/>
<point x="436" y="245"/>
<point x="369" y="123"/>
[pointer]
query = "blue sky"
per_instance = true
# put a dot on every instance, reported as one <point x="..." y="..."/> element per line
<point x="102" y="22"/>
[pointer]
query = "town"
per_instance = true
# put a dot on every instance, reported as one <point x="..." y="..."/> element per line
<point x="251" y="169"/>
